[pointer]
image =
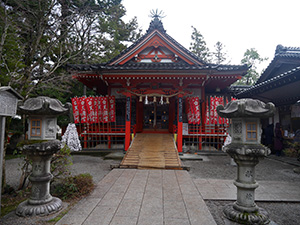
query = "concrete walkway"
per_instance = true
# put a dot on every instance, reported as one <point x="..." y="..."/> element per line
<point x="130" y="196"/>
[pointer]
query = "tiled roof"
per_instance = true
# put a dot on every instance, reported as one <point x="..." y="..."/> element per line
<point x="235" y="89"/>
<point x="155" y="66"/>
<point x="281" y="52"/>
<point x="280" y="80"/>
<point x="156" y="24"/>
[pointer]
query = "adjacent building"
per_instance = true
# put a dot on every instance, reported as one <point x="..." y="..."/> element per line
<point x="280" y="84"/>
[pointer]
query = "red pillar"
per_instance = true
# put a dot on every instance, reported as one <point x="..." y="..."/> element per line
<point x="203" y="105"/>
<point x="179" y="124"/>
<point x="203" y="114"/>
<point x="109" y="138"/>
<point x="127" y="121"/>
<point x="85" y="139"/>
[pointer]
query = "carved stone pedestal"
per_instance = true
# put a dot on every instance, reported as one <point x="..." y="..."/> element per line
<point x="40" y="203"/>
<point x="244" y="210"/>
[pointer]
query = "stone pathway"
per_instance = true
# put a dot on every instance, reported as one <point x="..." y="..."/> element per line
<point x="142" y="197"/>
<point x="216" y="189"/>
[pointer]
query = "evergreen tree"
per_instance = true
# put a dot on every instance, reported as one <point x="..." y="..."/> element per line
<point x="198" y="46"/>
<point x="11" y="48"/>
<point x="219" y="54"/>
<point x="51" y="33"/>
<point x="251" y="58"/>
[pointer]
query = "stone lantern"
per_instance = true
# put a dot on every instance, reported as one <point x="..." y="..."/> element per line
<point x="246" y="150"/>
<point x="42" y="117"/>
<point x="42" y="112"/>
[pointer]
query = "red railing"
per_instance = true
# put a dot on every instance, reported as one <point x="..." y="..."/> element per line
<point x="208" y="137"/>
<point x="95" y="136"/>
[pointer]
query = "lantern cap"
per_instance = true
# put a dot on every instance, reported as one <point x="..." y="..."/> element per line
<point x="246" y="107"/>
<point x="43" y="105"/>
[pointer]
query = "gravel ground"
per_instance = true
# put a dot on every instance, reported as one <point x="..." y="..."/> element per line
<point x="98" y="167"/>
<point x="215" y="167"/>
<point x="218" y="167"/>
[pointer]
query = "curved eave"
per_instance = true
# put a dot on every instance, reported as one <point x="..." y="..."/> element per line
<point x="278" y="60"/>
<point x="153" y="67"/>
<point x="281" y="89"/>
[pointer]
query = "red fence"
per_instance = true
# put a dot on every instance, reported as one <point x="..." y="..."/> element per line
<point x="95" y="136"/>
<point x="208" y="137"/>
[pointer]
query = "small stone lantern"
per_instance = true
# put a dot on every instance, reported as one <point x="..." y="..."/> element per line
<point x="42" y="117"/>
<point x="246" y="150"/>
<point x="42" y="112"/>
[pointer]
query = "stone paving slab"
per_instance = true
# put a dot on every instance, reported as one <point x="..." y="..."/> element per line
<point x="142" y="197"/>
<point x="216" y="189"/>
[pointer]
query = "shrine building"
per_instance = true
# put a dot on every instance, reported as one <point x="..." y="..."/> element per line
<point x="159" y="87"/>
<point x="279" y="84"/>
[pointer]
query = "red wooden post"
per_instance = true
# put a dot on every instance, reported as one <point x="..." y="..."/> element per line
<point x="203" y="112"/>
<point x="179" y="129"/>
<point x="109" y="138"/>
<point x="85" y="137"/>
<point x="203" y="106"/>
<point x="127" y="121"/>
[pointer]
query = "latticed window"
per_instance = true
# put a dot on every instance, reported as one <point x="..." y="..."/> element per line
<point x="36" y="127"/>
<point x="251" y="131"/>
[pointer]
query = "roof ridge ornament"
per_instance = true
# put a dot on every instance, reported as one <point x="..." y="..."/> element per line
<point x="156" y="22"/>
<point x="280" y="49"/>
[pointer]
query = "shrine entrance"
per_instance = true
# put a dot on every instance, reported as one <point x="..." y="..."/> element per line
<point x="151" y="81"/>
<point x="152" y="151"/>
<point x="156" y="117"/>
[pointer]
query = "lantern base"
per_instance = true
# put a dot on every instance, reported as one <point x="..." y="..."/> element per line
<point x="258" y="217"/>
<point x="25" y="209"/>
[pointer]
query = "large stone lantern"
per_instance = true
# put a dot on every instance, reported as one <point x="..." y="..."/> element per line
<point x="246" y="150"/>
<point x="42" y="112"/>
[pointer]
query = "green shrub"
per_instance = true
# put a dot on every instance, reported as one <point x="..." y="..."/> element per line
<point x="60" y="163"/>
<point x="293" y="150"/>
<point x="74" y="187"/>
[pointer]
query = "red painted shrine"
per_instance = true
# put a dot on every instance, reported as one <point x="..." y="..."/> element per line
<point x="159" y="87"/>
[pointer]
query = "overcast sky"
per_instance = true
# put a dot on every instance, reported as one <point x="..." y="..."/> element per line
<point x="238" y="24"/>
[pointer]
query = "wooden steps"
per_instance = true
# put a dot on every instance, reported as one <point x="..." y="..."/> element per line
<point x="152" y="151"/>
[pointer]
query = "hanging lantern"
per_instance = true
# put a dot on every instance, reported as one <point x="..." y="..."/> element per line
<point x="141" y="98"/>
<point x="146" y="100"/>
<point x="154" y="99"/>
<point x="167" y="100"/>
<point x="161" y="100"/>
